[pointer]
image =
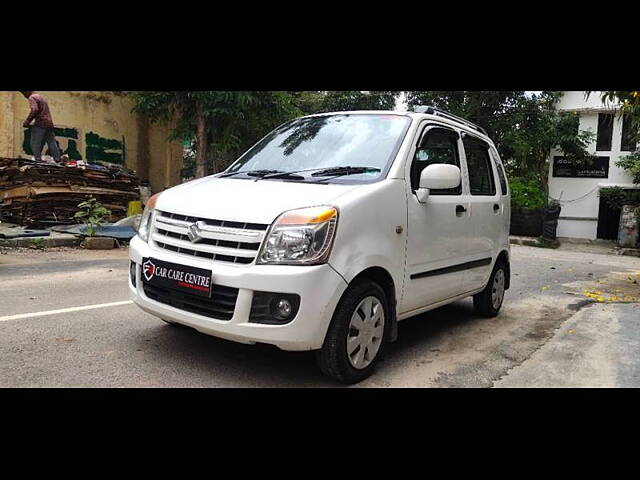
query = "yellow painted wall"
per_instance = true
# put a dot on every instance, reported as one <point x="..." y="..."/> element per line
<point x="107" y="115"/>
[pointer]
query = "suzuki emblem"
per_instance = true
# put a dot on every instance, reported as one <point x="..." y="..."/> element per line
<point x="194" y="233"/>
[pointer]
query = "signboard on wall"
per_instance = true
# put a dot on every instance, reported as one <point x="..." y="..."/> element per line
<point x="563" y="168"/>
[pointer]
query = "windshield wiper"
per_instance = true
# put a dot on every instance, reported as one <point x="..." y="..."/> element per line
<point x="291" y="175"/>
<point x="318" y="172"/>
<point x="340" y="171"/>
<point x="263" y="174"/>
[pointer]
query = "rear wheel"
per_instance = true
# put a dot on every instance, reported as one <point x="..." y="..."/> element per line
<point x="489" y="301"/>
<point x="356" y="336"/>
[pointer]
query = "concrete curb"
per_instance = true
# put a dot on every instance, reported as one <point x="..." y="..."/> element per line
<point x="533" y="242"/>
<point x="629" y="252"/>
<point x="58" y="240"/>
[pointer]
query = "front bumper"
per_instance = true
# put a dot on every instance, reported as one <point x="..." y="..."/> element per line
<point x="319" y="287"/>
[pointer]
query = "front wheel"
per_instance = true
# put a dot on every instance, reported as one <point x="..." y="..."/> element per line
<point x="489" y="301"/>
<point x="356" y="336"/>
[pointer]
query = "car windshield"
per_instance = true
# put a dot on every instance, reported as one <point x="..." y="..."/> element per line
<point x="310" y="145"/>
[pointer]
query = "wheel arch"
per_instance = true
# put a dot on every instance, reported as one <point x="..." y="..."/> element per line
<point x="383" y="278"/>
<point x="503" y="256"/>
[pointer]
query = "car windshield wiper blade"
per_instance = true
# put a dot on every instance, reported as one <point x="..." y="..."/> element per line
<point x="261" y="173"/>
<point x="276" y="174"/>
<point x="318" y="172"/>
<point x="252" y="173"/>
<point x="339" y="171"/>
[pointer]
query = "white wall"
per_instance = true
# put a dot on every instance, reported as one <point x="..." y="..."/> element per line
<point x="579" y="196"/>
<point x="575" y="100"/>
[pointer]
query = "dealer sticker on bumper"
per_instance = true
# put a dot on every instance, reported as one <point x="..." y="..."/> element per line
<point x="184" y="278"/>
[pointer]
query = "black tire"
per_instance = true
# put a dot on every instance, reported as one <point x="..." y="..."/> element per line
<point x="483" y="302"/>
<point x="332" y="358"/>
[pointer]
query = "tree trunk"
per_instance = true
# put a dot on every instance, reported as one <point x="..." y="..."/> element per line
<point x="201" y="141"/>
<point x="212" y="154"/>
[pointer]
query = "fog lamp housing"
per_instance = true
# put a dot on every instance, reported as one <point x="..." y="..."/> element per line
<point x="273" y="308"/>
<point x="133" y="268"/>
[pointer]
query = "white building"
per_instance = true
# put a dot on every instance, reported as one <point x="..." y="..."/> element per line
<point x="583" y="214"/>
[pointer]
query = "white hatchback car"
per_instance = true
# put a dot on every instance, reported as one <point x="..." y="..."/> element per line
<point x="328" y="232"/>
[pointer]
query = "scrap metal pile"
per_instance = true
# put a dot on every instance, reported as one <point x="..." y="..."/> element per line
<point x="42" y="194"/>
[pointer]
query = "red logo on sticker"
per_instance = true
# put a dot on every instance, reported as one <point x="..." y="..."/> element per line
<point x="148" y="269"/>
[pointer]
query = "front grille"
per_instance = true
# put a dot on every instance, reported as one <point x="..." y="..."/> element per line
<point x="220" y="240"/>
<point x="220" y="306"/>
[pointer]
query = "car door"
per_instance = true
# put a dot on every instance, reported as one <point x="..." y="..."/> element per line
<point x="486" y="213"/>
<point x="438" y="229"/>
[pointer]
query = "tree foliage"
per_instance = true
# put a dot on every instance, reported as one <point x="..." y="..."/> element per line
<point x="338" y="101"/>
<point x="631" y="164"/>
<point x="524" y="127"/>
<point x="220" y="125"/>
<point x="617" y="197"/>
<point x="216" y="122"/>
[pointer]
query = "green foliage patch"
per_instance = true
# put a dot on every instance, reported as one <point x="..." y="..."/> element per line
<point x="617" y="197"/>
<point x="527" y="194"/>
<point x="93" y="214"/>
<point x="631" y="164"/>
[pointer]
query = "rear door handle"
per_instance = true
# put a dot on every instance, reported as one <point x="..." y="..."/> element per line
<point x="460" y="209"/>
<point x="496" y="207"/>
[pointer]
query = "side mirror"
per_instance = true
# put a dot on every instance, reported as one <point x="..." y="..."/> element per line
<point x="438" y="176"/>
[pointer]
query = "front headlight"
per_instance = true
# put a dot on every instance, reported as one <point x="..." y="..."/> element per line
<point x="300" y="237"/>
<point x="145" y="222"/>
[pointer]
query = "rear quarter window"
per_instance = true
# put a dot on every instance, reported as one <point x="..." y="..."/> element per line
<point x="501" y="176"/>
<point x="481" y="179"/>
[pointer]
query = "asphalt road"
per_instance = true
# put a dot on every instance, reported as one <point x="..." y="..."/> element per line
<point x="571" y="318"/>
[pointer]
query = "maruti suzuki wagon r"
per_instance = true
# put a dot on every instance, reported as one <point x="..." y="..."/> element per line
<point x="329" y="231"/>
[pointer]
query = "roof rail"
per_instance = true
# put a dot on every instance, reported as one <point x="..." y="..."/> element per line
<point x="441" y="113"/>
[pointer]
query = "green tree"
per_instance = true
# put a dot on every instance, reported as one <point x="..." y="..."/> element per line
<point x="221" y="125"/>
<point x="217" y="123"/>
<point x="524" y="127"/>
<point x="311" y="102"/>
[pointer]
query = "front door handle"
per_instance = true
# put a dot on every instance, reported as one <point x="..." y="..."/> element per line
<point x="460" y="209"/>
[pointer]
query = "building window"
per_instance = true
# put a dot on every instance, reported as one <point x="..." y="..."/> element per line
<point x="628" y="143"/>
<point x="605" y="132"/>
